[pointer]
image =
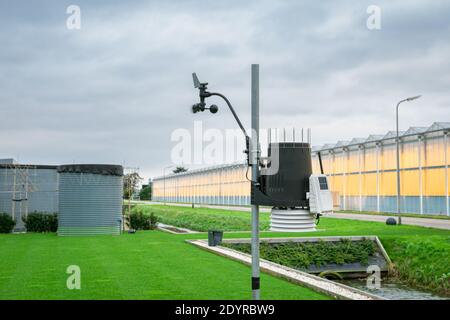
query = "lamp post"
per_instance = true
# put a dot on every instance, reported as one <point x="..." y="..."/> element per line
<point x="398" y="155"/>
<point x="164" y="175"/>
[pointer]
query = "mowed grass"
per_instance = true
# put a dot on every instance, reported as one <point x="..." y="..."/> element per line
<point x="421" y="255"/>
<point x="204" y="219"/>
<point x="157" y="265"/>
<point x="146" y="265"/>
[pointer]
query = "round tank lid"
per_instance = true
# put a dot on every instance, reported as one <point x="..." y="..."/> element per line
<point x="103" y="169"/>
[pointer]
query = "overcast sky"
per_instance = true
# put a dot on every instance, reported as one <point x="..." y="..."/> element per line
<point x="115" y="90"/>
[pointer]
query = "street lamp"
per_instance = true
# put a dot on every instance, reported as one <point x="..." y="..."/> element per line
<point x="398" y="156"/>
<point x="164" y="175"/>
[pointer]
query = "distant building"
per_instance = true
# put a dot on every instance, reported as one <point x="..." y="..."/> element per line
<point x="27" y="188"/>
<point x="225" y="184"/>
<point x="362" y="174"/>
<point x="363" y="171"/>
<point x="7" y="161"/>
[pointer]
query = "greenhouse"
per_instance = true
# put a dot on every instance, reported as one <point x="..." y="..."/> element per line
<point x="362" y="175"/>
<point x="363" y="171"/>
<point x="225" y="184"/>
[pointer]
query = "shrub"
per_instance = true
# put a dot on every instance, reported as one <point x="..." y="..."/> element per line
<point x="6" y="223"/>
<point x="140" y="221"/>
<point x="303" y="255"/>
<point x="41" y="222"/>
<point x="125" y="208"/>
<point x="146" y="193"/>
<point x="153" y="221"/>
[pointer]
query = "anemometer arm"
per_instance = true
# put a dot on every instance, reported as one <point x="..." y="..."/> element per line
<point x="203" y="94"/>
<point x="232" y="111"/>
<point x="247" y="138"/>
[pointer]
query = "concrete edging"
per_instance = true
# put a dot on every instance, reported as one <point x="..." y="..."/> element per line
<point x="164" y="227"/>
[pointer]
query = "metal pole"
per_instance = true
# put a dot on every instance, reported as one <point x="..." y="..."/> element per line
<point x="419" y="143"/>
<point x="446" y="172"/>
<point x="360" y="177"/>
<point x="398" y="167"/>
<point x="378" y="147"/>
<point x="345" y="176"/>
<point x="398" y="156"/>
<point x="255" y="174"/>
<point x="164" y="179"/>
<point x="13" y="205"/>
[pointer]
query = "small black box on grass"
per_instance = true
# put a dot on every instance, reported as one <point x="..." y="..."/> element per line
<point x="214" y="237"/>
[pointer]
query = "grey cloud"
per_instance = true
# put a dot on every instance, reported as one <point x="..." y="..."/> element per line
<point x="115" y="90"/>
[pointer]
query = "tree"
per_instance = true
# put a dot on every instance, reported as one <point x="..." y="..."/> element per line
<point x="130" y="184"/>
<point x="180" y="170"/>
<point x="146" y="192"/>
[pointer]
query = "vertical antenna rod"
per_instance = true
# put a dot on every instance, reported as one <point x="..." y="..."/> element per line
<point x="320" y="161"/>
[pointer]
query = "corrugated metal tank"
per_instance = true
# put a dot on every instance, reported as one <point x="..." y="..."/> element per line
<point x="90" y="199"/>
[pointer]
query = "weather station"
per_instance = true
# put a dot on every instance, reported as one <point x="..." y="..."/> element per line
<point x="282" y="180"/>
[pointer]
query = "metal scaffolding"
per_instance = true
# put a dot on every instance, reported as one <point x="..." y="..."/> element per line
<point x="16" y="189"/>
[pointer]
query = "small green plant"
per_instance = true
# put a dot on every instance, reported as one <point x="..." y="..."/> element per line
<point x="41" y="222"/>
<point x="153" y="221"/>
<point x="138" y="220"/>
<point x="6" y="223"/>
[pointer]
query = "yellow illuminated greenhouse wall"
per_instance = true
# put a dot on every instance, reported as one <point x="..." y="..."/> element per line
<point x="362" y="174"/>
<point x="216" y="185"/>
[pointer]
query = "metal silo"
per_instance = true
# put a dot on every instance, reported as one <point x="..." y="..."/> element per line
<point x="90" y="199"/>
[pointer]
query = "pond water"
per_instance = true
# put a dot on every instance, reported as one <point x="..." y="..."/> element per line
<point x="394" y="290"/>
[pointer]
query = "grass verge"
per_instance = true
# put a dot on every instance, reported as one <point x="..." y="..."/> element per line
<point x="203" y="219"/>
<point x="421" y="255"/>
<point x="145" y="265"/>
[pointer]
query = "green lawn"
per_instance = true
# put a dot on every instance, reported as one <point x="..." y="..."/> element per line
<point x="421" y="255"/>
<point x="147" y="265"/>
<point x="157" y="265"/>
<point x="203" y="219"/>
